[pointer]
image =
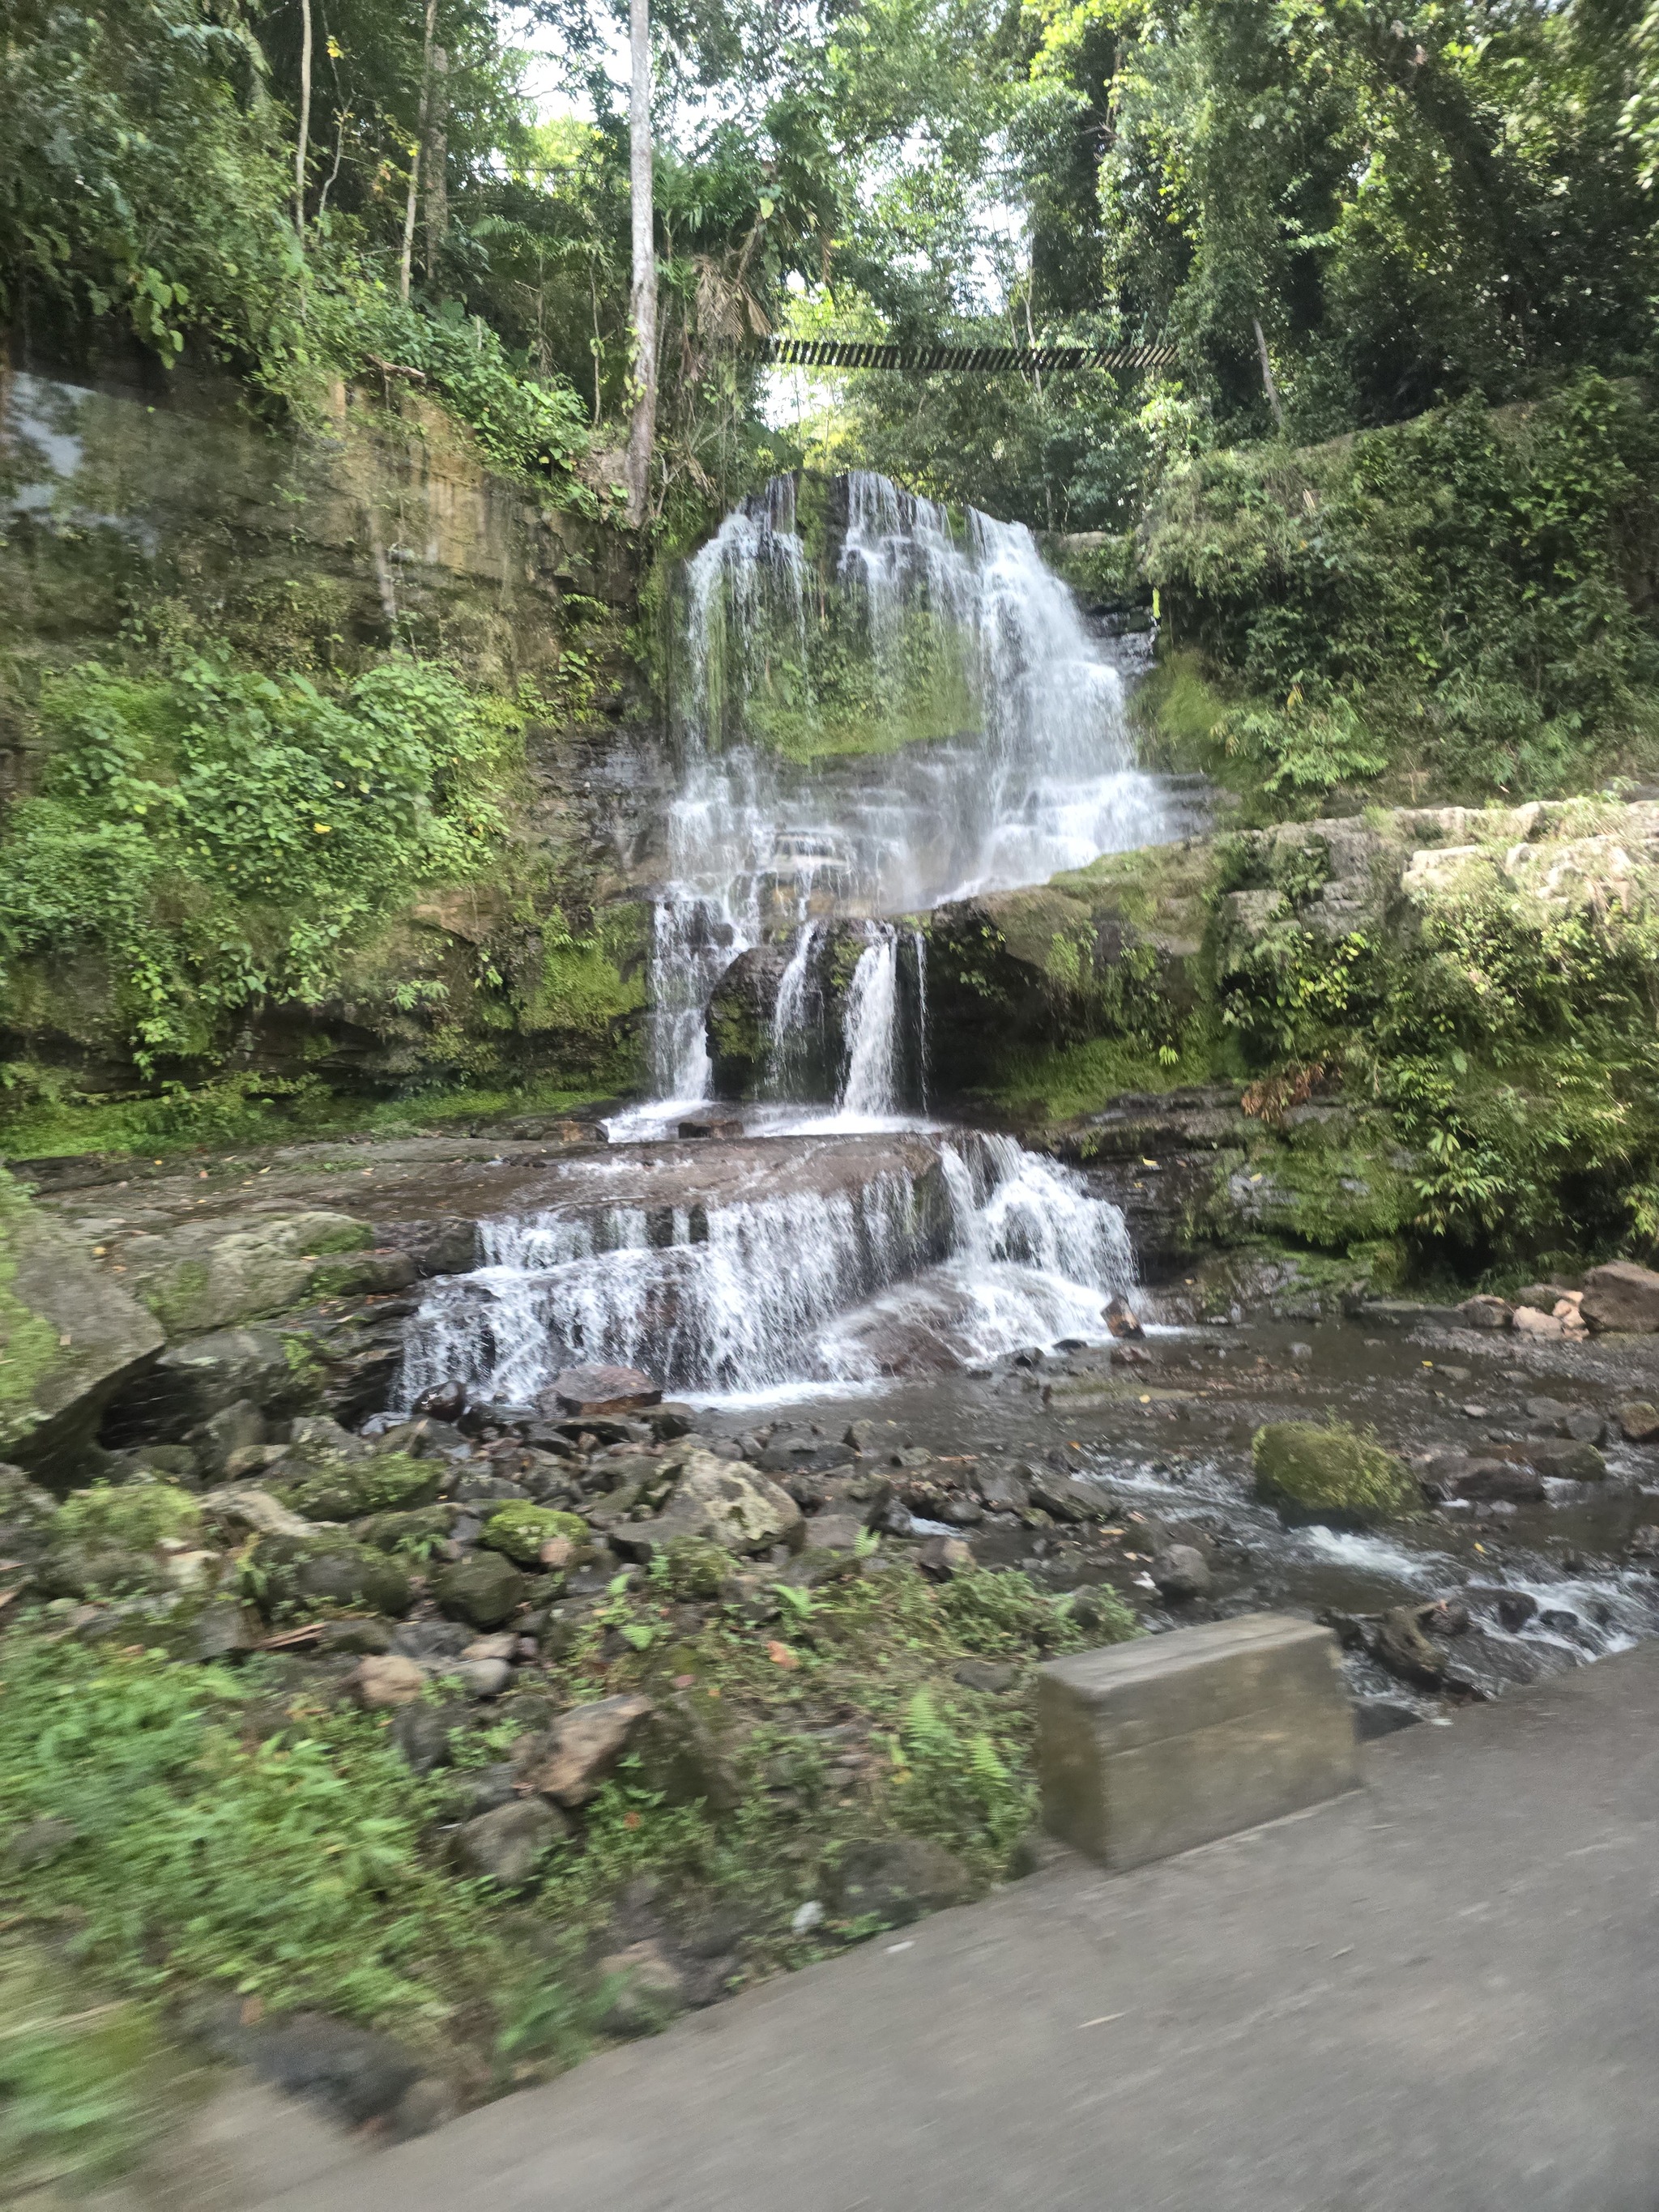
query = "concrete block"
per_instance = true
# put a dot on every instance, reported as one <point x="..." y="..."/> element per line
<point x="1148" y="1748"/>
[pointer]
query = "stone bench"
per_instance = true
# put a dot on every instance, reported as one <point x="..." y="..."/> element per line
<point x="1150" y="1747"/>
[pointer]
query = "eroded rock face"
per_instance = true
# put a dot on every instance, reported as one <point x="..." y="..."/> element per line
<point x="71" y="1337"/>
<point x="202" y="1276"/>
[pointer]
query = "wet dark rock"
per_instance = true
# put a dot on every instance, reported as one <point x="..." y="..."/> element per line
<point x="999" y="1492"/>
<point x="446" y="1402"/>
<point x="1063" y="1495"/>
<point x="1398" y="1642"/>
<point x="1122" y="1318"/>
<point x="1450" y="1475"/>
<point x="668" y="1422"/>
<point x="1551" y="1417"/>
<point x="482" y="1486"/>
<point x="1560" y="1460"/>
<point x="895" y="1879"/>
<point x="357" y="2075"/>
<point x="600" y="1391"/>
<point x="1380" y="1717"/>
<point x="1484" y="1666"/>
<point x="1182" y="1573"/>
<point x="483" y="1588"/>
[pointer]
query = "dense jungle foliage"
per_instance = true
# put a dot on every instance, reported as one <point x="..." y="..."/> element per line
<point x="1395" y="496"/>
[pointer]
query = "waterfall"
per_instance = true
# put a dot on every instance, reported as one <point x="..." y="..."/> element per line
<point x="986" y="1249"/>
<point x="1034" y="774"/>
<point x="869" y="1087"/>
<point x="789" y="1017"/>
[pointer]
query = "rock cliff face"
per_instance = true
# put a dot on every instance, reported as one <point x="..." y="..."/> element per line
<point x="130" y="533"/>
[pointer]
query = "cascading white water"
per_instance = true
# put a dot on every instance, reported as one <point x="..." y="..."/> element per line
<point x="991" y="1249"/>
<point x="977" y="1247"/>
<point x="869" y="1087"/>
<point x="1042" y="778"/>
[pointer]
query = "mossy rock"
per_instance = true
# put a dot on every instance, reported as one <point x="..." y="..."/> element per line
<point x="1334" y="1474"/>
<point x="134" y="1516"/>
<point x="293" y="1572"/>
<point x="695" y="1568"/>
<point x="414" y="1532"/>
<point x="520" y="1531"/>
<point x="484" y="1590"/>
<point x="97" y="1568"/>
<point x="347" y="1489"/>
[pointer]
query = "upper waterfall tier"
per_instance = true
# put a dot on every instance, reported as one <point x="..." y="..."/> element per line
<point x="877" y="711"/>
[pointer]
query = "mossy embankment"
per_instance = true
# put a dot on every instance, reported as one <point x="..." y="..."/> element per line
<point x="1461" y="607"/>
<point x="310" y="741"/>
<point x="1414" y="1040"/>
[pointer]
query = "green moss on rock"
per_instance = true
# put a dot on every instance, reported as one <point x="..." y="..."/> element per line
<point x="1335" y="1473"/>
<point x="520" y="1531"/>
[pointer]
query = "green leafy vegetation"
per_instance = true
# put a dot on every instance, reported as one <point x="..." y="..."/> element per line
<point x="220" y="837"/>
<point x="1441" y="609"/>
<point x="242" y="1830"/>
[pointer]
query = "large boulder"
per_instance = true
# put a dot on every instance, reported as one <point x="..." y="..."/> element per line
<point x="70" y="1338"/>
<point x="324" y="1568"/>
<point x="1330" y="1474"/>
<point x="1622" y="1296"/>
<point x="204" y="1275"/>
<point x="604" y="1390"/>
<point x="720" y="1501"/>
<point x="193" y="1382"/>
<point x="739" y="1021"/>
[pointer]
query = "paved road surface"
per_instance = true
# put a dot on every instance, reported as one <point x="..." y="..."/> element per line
<point x="1440" y="1995"/>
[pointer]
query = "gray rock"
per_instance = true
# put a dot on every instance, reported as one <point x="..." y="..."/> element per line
<point x="1485" y="1312"/>
<point x="225" y="1631"/>
<point x="1622" y="1297"/>
<point x="1638" y="1421"/>
<point x="240" y="1426"/>
<point x="485" y="1589"/>
<point x="897" y="1879"/>
<point x="1064" y="1496"/>
<point x="484" y="1678"/>
<point x="992" y="1676"/>
<point x="940" y="1558"/>
<point x="487" y="1789"/>
<point x="506" y="1846"/>
<point x="1183" y="1573"/>
<point x="570" y="1761"/>
<point x="95" y="1341"/>
<point x="647" y="1990"/>
<point x="604" y="1390"/>
<point x="681" y="1755"/>
<point x="421" y="1734"/>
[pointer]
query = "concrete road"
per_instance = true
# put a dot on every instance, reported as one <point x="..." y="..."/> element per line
<point x="1440" y="1995"/>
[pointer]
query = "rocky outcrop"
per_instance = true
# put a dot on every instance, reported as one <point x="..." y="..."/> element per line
<point x="70" y="1338"/>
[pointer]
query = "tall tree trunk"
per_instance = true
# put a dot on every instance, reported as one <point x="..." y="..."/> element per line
<point x="302" y="144"/>
<point x="406" y="266"/>
<point x="1268" y="383"/>
<point x="435" y="157"/>
<point x="643" y="297"/>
